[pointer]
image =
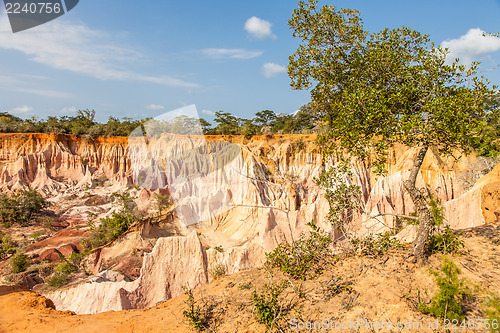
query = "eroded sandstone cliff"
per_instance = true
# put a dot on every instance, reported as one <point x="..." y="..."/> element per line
<point x="268" y="195"/>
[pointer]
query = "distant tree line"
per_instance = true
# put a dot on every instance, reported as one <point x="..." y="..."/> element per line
<point x="84" y="124"/>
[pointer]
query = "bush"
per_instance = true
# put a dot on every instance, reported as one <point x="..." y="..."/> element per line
<point x="300" y="257"/>
<point x="7" y="247"/>
<point x="66" y="268"/>
<point x="218" y="271"/>
<point x="492" y="312"/>
<point x="58" y="279"/>
<point x="194" y="313"/>
<point x="19" y="263"/>
<point x="269" y="310"/>
<point x="447" y="303"/>
<point x="443" y="240"/>
<point x="374" y="245"/>
<point x="111" y="228"/>
<point x="21" y="207"/>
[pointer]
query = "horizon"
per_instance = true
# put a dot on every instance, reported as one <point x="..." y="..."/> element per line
<point x="122" y="61"/>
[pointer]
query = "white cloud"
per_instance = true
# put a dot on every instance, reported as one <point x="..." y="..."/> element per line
<point x="259" y="28"/>
<point x="270" y="69"/>
<point x="42" y="92"/>
<point x="155" y="107"/>
<point x="231" y="53"/>
<point x="77" y="48"/>
<point x="471" y="46"/>
<point x="208" y="113"/>
<point x="70" y="110"/>
<point x="21" y="110"/>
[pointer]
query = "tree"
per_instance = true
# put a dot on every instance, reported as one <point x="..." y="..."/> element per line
<point x="227" y="123"/>
<point x="264" y="118"/>
<point x="383" y="88"/>
<point x="205" y="126"/>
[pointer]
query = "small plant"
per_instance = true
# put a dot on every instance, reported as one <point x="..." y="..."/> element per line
<point x="218" y="271"/>
<point x="492" y="312"/>
<point x="7" y="247"/>
<point x="301" y="257"/>
<point x="447" y="303"/>
<point x="19" y="262"/>
<point x="219" y="248"/>
<point x="298" y="145"/>
<point x="21" y="207"/>
<point x="35" y="236"/>
<point x="443" y="240"/>
<point x="371" y="245"/>
<point x="193" y="313"/>
<point x="77" y="258"/>
<point x="66" y="267"/>
<point x="244" y="286"/>
<point x="58" y="279"/>
<point x="269" y="309"/>
<point x="344" y="197"/>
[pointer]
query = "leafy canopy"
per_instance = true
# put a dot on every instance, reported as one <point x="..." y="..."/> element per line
<point x="377" y="89"/>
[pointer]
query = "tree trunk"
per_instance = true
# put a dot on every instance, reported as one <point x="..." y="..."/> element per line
<point x="423" y="212"/>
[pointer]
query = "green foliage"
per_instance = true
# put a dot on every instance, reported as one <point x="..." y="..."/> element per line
<point x="111" y="228"/>
<point x="447" y="303"/>
<point x="161" y="202"/>
<point x="217" y="271"/>
<point x="219" y="248"/>
<point x="264" y="118"/>
<point x="35" y="236"/>
<point x="66" y="267"/>
<point x="7" y="247"/>
<point x="301" y="258"/>
<point x="492" y="311"/>
<point x="371" y="245"/>
<point x="298" y="145"/>
<point x="343" y="196"/>
<point x="269" y="309"/>
<point x="385" y="87"/>
<point x="21" y="207"/>
<point x="244" y="286"/>
<point x="227" y="124"/>
<point x="58" y="279"/>
<point x="76" y="259"/>
<point x="443" y="240"/>
<point x="194" y="313"/>
<point x="19" y="262"/>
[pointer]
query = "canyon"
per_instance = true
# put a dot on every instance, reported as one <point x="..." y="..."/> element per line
<point x="234" y="200"/>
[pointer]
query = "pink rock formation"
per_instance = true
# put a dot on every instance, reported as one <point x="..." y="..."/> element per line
<point x="279" y="199"/>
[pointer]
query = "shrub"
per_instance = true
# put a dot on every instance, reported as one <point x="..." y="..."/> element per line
<point x="218" y="271"/>
<point x="66" y="268"/>
<point x="7" y="247"/>
<point x="443" y="240"/>
<point x="194" y="313"/>
<point x="269" y="309"/>
<point x="492" y="312"/>
<point x="447" y="303"/>
<point x="19" y="263"/>
<point x="300" y="257"/>
<point x="21" y="207"/>
<point x="58" y="279"/>
<point x="219" y="248"/>
<point x="373" y="245"/>
<point x="111" y="228"/>
<point x="245" y="285"/>
<point x="298" y="145"/>
<point x="344" y="197"/>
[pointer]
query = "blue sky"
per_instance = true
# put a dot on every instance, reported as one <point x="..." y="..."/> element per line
<point x="138" y="59"/>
